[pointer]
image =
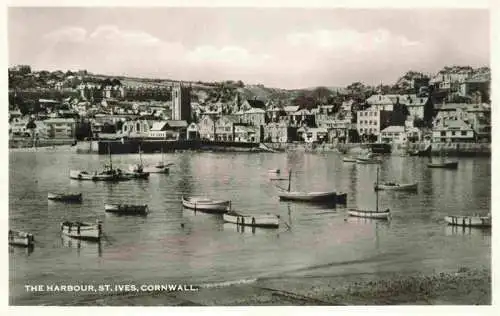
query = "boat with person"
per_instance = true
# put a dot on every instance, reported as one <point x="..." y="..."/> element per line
<point x="469" y="221"/>
<point x="300" y="196"/>
<point x="64" y="197"/>
<point x="206" y="204"/>
<point x="20" y="238"/>
<point x="256" y="220"/>
<point x="126" y="209"/>
<point x="392" y="186"/>
<point x="377" y="214"/>
<point x="81" y="230"/>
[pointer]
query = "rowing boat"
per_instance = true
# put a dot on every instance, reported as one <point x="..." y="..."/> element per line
<point x="265" y="220"/>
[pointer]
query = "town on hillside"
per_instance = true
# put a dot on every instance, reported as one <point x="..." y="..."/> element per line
<point x="451" y="106"/>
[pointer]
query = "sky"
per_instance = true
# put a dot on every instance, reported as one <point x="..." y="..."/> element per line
<point x="278" y="47"/>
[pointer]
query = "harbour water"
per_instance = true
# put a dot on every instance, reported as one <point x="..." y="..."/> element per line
<point x="319" y="240"/>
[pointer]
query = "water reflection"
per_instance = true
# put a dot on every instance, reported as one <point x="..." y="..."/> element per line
<point x="83" y="247"/>
<point x="21" y="250"/>
<point x="452" y="230"/>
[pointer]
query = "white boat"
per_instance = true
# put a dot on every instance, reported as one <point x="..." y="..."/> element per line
<point x="65" y="197"/>
<point x="158" y="168"/>
<point x="273" y="171"/>
<point x="469" y="221"/>
<point x="288" y="195"/>
<point x="87" y="231"/>
<point x="386" y="214"/>
<point x="126" y="209"/>
<point x="444" y="165"/>
<point x="261" y="220"/>
<point x="349" y="159"/>
<point x="19" y="238"/>
<point x="397" y="186"/>
<point x="206" y="204"/>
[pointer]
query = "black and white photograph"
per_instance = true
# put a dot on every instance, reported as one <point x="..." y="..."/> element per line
<point x="248" y="156"/>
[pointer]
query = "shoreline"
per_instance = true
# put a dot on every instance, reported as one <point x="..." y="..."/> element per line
<point x="466" y="286"/>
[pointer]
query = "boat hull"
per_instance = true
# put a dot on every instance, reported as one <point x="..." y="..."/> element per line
<point x="308" y="196"/>
<point x="469" y="221"/>
<point x="22" y="239"/>
<point x="274" y="171"/>
<point x="85" y="176"/>
<point x="157" y="169"/>
<point x="369" y="214"/>
<point x="447" y="165"/>
<point x="91" y="232"/>
<point x="397" y="187"/>
<point x="137" y="175"/>
<point x="207" y="205"/>
<point x="264" y="221"/>
<point x="368" y="161"/>
<point x="126" y="209"/>
<point x="348" y="159"/>
<point x="341" y="198"/>
<point x="64" y="197"/>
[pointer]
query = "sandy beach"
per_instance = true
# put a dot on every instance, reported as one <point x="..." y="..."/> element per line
<point x="464" y="287"/>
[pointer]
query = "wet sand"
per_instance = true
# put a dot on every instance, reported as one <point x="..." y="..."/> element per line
<point x="464" y="287"/>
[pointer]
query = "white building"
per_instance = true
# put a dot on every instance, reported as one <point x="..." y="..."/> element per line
<point x="454" y="131"/>
<point x="399" y="134"/>
<point x="370" y="122"/>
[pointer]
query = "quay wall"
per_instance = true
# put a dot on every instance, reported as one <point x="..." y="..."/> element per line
<point x="155" y="146"/>
<point x="43" y="142"/>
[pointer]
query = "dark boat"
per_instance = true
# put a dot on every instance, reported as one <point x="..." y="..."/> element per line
<point x="341" y="198"/>
<point x="443" y="165"/>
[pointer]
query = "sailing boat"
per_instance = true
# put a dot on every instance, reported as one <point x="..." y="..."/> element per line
<point x="137" y="170"/>
<point x="288" y="195"/>
<point x="160" y="167"/>
<point x="443" y="164"/>
<point x="371" y="213"/>
<point x="108" y="174"/>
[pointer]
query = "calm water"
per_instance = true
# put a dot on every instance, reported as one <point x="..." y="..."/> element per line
<point x="156" y="249"/>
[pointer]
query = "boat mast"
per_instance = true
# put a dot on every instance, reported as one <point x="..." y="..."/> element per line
<point x="110" y="162"/>
<point x="376" y="193"/>
<point x="140" y="154"/>
<point x="289" y="179"/>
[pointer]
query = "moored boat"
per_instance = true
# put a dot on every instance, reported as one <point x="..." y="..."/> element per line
<point x="273" y="171"/>
<point x="396" y="186"/>
<point x="341" y="198"/>
<point x="126" y="209"/>
<point x="369" y="213"/>
<point x="158" y="168"/>
<point x="469" y="221"/>
<point x="64" y="197"/>
<point x="349" y="159"/>
<point x="260" y="220"/>
<point x="80" y="230"/>
<point x="386" y="214"/>
<point x="443" y="165"/>
<point x="288" y="195"/>
<point x="206" y="204"/>
<point x="19" y="238"/>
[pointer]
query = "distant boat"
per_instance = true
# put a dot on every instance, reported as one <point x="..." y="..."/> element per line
<point x="136" y="171"/>
<point x="260" y="220"/>
<point x="273" y="171"/>
<point x="368" y="159"/>
<point x="397" y="186"/>
<point x="206" y="204"/>
<point x="469" y="221"/>
<point x="349" y="159"/>
<point x="108" y="174"/>
<point x="65" y="197"/>
<point x="444" y="165"/>
<point x="19" y="238"/>
<point x="371" y="213"/>
<point x="79" y="230"/>
<point x="126" y="209"/>
<point x="287" y="195"/>
<point x="421" y="153"/>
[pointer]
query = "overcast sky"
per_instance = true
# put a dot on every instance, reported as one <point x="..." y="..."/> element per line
<point x="286" y="48"/>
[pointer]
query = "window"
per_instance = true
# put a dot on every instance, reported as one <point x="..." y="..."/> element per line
<point x="443" y="133"/>
<point x="453" y="133"/>
<point x="463" y="133"/>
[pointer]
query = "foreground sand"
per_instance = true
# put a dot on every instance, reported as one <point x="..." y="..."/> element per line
<point x="464" y="287"/>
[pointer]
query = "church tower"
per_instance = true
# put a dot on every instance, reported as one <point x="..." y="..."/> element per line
<point x="181" y="102"/>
